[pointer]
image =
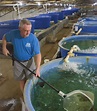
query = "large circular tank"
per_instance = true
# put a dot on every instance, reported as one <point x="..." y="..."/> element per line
<point x="86" y="43"/>
<point x="88" y="27"/>
<point x="79" y="73"/>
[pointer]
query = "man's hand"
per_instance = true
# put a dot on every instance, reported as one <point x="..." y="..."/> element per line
<point x="5" y="51"/>
<point x="37" y="73"/>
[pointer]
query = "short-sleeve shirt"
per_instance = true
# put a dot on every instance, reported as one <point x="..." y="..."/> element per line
<point x="24" y="48"/>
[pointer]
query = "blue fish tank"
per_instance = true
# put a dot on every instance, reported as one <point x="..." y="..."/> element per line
<point x="87" y="45"/>
<point x="88" y="27"/>
<point x="79" y="73"/>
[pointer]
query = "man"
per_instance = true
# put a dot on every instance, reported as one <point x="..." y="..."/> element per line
<point x="26" y="49"/>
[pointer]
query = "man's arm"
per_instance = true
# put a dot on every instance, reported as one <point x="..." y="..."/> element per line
<point x="4" y="44"/>
<point x="37" y="63"/>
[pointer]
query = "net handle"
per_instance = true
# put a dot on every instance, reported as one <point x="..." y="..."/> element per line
<point x="56" y="90"/>
<point x="63" y="95"/>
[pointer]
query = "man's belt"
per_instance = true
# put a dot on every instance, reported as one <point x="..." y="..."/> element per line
<point x="26" y="60"/>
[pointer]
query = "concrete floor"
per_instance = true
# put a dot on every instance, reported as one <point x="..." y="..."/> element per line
<point x="9" y="88"/>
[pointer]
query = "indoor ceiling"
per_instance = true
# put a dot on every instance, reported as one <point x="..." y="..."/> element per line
<point x="7" y="6"/>
<point x="9" y="2"/>
<point x="2" y="2"/>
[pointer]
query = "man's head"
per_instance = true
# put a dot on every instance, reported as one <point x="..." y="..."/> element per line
<point x="25" y="27"/>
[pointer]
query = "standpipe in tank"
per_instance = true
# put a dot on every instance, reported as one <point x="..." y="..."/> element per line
<point x="70" y="53"/>
<point x="87" y="59"/>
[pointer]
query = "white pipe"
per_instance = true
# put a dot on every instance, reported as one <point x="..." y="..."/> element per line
<point x="18" y="11"/>
<point x="70" y="53"/>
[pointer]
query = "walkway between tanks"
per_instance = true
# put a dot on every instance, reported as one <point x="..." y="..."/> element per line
<point x="9" y="89"/>
<point x="49" y="49"/>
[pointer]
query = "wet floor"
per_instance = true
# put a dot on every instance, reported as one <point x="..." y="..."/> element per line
<point x="10" y="104"/>
<point x="9" y="88"/>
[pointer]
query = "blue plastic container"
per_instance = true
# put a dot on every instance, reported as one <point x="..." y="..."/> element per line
<point x="10" y="25"/>
<point x="41" y="22"/>
<point x="33" y="25"/>
<point x="88" y="27"/>
<point x="54" y="17"/>
<point x="75" y="10"/>
<point x="61" y="15"/>
<point x="30" y="85"/>
<point x="67" y="12"/>
<point x="72" y="40"/>
<point x="70" y="11"/>
<point x="88" y="19"/>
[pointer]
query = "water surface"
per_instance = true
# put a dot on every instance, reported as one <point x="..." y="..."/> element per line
<point x="66" y="78"/>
